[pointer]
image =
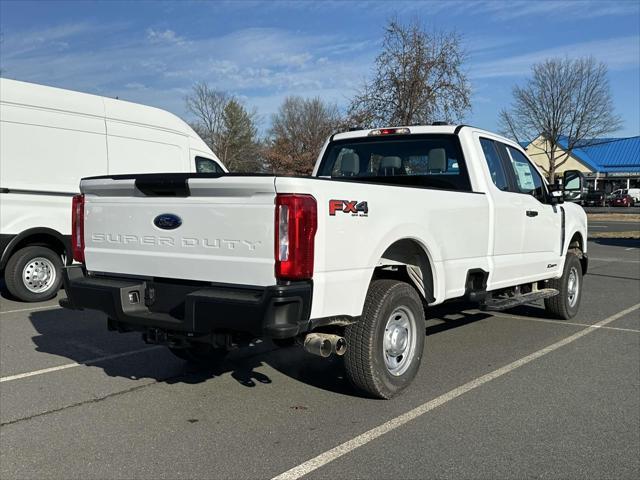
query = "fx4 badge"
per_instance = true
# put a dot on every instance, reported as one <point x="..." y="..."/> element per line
<point x="355" y="208"/>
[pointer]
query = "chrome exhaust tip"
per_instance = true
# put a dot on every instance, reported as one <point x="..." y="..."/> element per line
<point x="318" y="344"/>
<point x="338" y="344"/>
<point x="324" y="344"/>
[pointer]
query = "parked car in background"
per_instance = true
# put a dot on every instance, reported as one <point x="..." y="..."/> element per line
<point x="622" y="201"/>
<point x="596" y="198"/>
<point x="50" y="138"/>
<point x="633" y="192"/>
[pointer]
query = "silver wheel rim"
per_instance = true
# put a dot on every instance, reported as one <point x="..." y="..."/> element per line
<point x="399" y="343"/>
<point x="39" y="275"/>
<point x="573" y="287"/>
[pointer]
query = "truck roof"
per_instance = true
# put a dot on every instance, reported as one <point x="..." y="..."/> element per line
<point x="417" y="129"/>
<point x="412" y="129"/>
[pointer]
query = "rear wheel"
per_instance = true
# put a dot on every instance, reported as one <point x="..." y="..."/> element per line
<point x="565" y="305"/>
<point x="200" y="354"/>
<point x="384" y="348"/>
<point x="34" y="274"/>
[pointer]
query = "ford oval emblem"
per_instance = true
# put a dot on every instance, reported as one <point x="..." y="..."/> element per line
<point x="167" y="221"/>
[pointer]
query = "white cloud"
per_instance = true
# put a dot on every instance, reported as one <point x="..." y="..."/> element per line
<point x="15" y="44"/>
<point x="135" y="86"/>
<point x="556" y="10"/>
<point x="164" y="36"/>
<point x="617" y="53"/>
<point x="160" y="66"/>
<point x="502" y="10"/>
<point x="508" y="10"/>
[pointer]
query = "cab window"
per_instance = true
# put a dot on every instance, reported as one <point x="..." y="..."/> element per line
<point x="417" y="160"/>
<point x="494" y="162"/>
<point x="528" y="180"/>
<point x="206" y="165"/>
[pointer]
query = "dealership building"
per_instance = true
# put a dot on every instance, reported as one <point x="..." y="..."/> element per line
<point x="607" y="163"/>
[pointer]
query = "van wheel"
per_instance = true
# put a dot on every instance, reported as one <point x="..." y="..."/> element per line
<point x="34" y="274"/>
<point x="200" y="354"/>
<point x="565" y="305"/>
<point x="384" y="348"/>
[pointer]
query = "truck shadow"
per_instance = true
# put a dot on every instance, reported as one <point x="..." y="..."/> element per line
<point x="82" y="337"/>
<point x="617" y="242"/>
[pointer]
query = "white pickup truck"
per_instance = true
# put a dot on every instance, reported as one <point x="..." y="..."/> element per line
<point x="392" y="221"/>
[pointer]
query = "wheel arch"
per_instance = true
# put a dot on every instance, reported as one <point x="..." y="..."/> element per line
<point x="409" y="260"/>
<point x="39" y="236"/>
<point x="577" y="243"/>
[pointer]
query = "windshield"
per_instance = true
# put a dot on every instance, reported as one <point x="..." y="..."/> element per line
<point x="432" y="161"/>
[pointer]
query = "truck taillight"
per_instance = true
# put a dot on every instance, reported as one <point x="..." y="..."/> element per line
<point x="77" y="228"/>
<point x="296" y="225"/>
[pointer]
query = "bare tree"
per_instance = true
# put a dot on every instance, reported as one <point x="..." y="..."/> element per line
<point x="226" y="127"/>
<point x="207" y="106"/>
<point x="565" y="100"/>
<point x="418" y="79"/>
<point x="298" y="132"/>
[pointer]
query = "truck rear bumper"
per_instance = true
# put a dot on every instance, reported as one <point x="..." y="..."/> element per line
<point x="278" y="311"/>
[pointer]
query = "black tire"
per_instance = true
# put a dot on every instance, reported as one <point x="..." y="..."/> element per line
<point x="365" y="364"/>
<point x="32" y="257"/>
<point x="200" y="354"/>
<point x="565" y="306"/>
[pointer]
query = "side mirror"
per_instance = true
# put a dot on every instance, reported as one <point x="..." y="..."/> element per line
<point x="573" y="184"/>
<point x="557" y="197"/>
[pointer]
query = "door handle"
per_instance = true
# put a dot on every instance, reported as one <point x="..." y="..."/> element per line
<point x="532" y="213"/>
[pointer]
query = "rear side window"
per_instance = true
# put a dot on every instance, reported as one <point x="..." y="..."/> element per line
<point x="206" y="165"/>
<point x="496" y="168"/>
<point x="528" y="180"/>
<point x="430" y="161"/>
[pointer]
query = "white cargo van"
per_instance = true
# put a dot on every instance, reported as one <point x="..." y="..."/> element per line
<point x="49" y="139"/>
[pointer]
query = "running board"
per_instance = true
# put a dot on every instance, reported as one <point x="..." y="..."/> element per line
<point x="497" y="304"/>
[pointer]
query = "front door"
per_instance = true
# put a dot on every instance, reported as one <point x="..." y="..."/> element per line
<point x="542" y="221"/>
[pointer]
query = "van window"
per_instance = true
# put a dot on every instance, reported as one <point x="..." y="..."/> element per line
<point x="206" y="165"/>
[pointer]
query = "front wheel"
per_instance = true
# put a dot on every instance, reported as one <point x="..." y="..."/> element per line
<point x="565" y="305"/>
<point x="34" y="274"/>
<point x="385" y="346"/>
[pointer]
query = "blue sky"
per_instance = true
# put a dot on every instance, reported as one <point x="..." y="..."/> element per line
<point x="152" y="52"/>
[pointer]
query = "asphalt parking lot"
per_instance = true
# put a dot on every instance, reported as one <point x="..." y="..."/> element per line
<point x="613" y="226"/>
<point x="505" y="395"/>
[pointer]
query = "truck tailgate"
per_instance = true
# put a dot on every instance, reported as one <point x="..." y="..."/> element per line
<point x="182" y="226"/>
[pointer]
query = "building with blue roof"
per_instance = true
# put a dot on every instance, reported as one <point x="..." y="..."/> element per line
<point x="608" y="163"/>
